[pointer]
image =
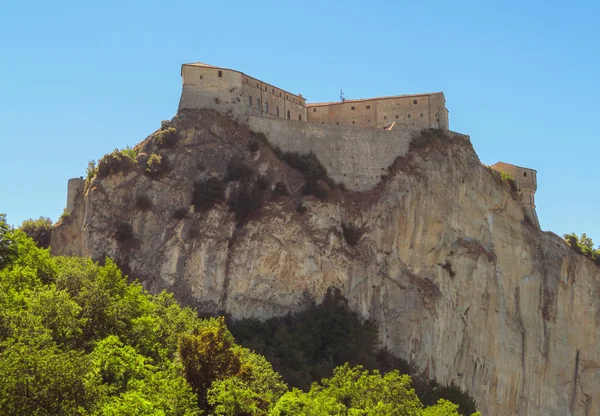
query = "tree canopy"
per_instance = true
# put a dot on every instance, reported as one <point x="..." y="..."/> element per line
<point x="77" y="339"/>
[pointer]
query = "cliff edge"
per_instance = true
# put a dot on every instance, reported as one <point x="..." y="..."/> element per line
<point x="439" y="252"/>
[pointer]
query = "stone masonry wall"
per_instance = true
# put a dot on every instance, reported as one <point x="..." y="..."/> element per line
<point x="353" y="156"/>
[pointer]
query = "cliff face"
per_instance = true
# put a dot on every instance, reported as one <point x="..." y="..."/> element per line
<point x="441" y="256"/>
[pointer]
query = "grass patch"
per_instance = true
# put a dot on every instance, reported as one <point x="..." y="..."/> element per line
<point x="156" y="165"/>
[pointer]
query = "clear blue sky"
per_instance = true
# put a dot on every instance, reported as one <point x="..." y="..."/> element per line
<point x="78" y="79"/>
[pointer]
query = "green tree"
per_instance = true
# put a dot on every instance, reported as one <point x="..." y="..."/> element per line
<point x="8" y="249"/>
<point x="39" y="230"/>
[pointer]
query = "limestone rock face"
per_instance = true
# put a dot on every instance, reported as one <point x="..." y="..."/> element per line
<point x="442" y="256"/>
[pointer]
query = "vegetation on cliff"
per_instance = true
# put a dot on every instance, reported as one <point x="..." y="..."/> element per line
<point x="77" y="338"/>
<point x="583" y="245"/>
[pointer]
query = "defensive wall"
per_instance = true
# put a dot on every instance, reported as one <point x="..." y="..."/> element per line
<point x="237" y="94"/>
<point x="425" y="110"/>
<point x="353" y="156"/>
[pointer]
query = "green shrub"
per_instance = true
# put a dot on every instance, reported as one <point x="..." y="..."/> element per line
<point x="156" y="164"/>
<point x="307" y="164"/>
<point x="509" y="179"/>
<point x="143" y="202"/>
<point x="583" y="245"/>
<point x="238" y="170"/>
<point x="352" y="234"/>
<point x="90" y="172"/>
<point x="166" y="137"/>
<point x="117" y="161"/>
<point x="207" y="193"/>
<point x="39" y="230"/>
<point x="65" y="216"/>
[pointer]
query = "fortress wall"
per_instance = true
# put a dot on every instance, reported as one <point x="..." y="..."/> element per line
<point x="203" y="88"/>
<point x="274" y="97"/>
<point x="420" y="110"/>
<point x="75" y="188"/>
<point x="353" y="156"/>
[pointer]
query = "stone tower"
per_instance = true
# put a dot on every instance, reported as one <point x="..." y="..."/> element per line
<point x="526" y="181"/>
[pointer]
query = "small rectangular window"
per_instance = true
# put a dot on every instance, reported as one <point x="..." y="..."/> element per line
<point x="421" y="115"/>
<point x="201" y="76"/>
<point x="220" y="74"/>
<point x="368" y="107"/>
<point x="314" y="110"/>
<point x="409" y="116"/>
<point x="272" y="90"/>
<point x="352" y="108"/>
<point x="415" y="102"/>
<point x="385" y="117"/>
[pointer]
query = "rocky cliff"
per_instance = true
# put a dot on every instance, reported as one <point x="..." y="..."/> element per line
<point x="439" y="253"/>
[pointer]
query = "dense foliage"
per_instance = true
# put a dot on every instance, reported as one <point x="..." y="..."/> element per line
<point x="583" y="245"/>
<point x="39" y="230"/>
<point x="307" y="346"/>
<point x="77" y="339"/>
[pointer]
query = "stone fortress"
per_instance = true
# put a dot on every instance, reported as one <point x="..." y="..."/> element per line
<point x="355" y="140"/>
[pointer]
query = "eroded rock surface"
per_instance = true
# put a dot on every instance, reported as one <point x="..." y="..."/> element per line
<point x="446" y="261"/>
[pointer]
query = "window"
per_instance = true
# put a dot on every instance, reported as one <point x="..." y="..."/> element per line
<point x="265" y="87"/>
<point x="368" y="107"/>
<point x="352" y="108"/>
<point x="314" y="110"/>
<point x="286" y="97"/>
<point x="415" y="102"/>
<point x="277" y="111"/>
<point x="337" y="124"/>
<point x="369" y="120"/>
<point x="258" y="103"/>
<point x="257" y="86"/>
<point x="385" y="117"/>
<point x="353" y="121"/>
<point x="250" y="101"/>
<point x="246" y="80"/>
<point x="299" y="117"/>
<point x="421" y="115"/>
<point x="409" y="116"/>
<point x="272" y="90"/>
<point x="266" y="107"/>
<point x="220" y="74"/>
<point x="288" y="114"/>
<point x="294" y="100"/>
<point x="396" y="117"/>
<point x="525" y="174"/>
<point x="201" y="76"/>
<point x="280" y="94"/>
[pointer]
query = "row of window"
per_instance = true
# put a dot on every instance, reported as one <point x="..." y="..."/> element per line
<point x="273" y="92"/>
<point x="258" y="107"/>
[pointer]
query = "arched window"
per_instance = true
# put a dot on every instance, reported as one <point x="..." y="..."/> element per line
<point x="250" y="101"/>
<point x="299" y="117"/>
<point x="266" y="107"/>
<point x="258" y="104"/>
<point x="288" y="114"/>
<point x="277" y="110"/>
